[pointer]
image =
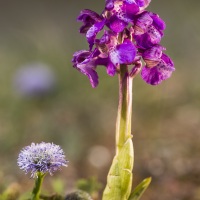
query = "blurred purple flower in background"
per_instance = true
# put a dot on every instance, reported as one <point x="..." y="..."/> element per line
<point x="34" y="79"/>
<point x="42" y="157"/>
<point x="134" y="34"/>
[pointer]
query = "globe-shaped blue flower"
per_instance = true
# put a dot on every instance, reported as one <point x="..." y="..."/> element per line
<point x="42" y="157"/>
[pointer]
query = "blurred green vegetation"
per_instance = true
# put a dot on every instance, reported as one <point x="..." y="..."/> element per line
<point x="166" y="118"/>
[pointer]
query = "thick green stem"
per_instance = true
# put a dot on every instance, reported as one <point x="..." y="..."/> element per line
<point x="124" y="115"/>
<point x="37" y="187"/>
<point x="119" y="180"/>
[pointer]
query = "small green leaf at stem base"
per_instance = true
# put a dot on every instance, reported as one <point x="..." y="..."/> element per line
<point x="140" y="189"/>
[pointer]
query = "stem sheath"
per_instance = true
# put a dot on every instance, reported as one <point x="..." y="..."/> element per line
<point x="124" y="115"/>
<point x="119" y="180"/>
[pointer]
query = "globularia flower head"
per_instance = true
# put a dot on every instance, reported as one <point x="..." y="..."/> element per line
<point x="132" y="35"/>
<point x="34" y="80"/>
<point x="42" y="157"/>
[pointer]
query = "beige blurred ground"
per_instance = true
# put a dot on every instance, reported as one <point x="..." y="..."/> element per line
<point x="166" y="118"/>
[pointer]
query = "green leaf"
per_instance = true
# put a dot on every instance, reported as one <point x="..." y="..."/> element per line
<point x="119" y="178"/>
<point x="140" y="189"/>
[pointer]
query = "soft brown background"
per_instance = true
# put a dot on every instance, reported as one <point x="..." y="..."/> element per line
<point x="166" y="118"/>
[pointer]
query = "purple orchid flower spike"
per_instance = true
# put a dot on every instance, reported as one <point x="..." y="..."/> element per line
<point x="132" y="34"/>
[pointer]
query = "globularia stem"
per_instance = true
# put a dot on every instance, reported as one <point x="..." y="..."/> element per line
<point x="37" y="187"/>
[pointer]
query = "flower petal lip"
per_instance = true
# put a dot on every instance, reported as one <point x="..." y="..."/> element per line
<point x="42" y="157"/>
<point x="123" y="53"/>
<point x="84" y="61"/>
<point x="91" y="74"/>
<point x="160" y="72"/>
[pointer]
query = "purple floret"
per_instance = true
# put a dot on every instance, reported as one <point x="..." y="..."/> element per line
<point x="89" y="18"/>
<point x="84" y="61"/>
<point x="123" y="53"/>
<point x="160" y="72"/>
<point x="148" y="30"/>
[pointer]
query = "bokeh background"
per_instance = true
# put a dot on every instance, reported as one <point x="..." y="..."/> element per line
<point x="166" y="118"/>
